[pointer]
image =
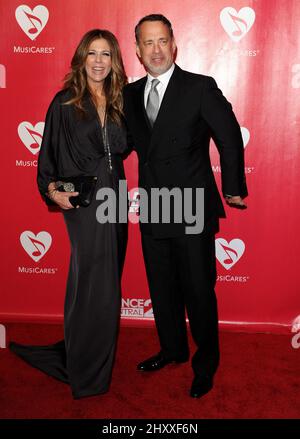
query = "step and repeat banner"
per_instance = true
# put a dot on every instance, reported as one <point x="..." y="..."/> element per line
<point x="252" y="50"/>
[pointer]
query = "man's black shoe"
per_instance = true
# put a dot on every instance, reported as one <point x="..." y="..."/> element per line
<point x="158" y="362"/>
<point x="201" y="386"/>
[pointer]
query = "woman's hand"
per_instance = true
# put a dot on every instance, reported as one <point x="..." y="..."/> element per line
<point x="61" y="198"/>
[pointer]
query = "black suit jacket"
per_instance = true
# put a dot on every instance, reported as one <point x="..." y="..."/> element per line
<point x="175" y="152"/>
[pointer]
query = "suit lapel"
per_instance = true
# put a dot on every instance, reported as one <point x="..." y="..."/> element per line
<point x="140" y="107"/>
<point x="168" y="106"/>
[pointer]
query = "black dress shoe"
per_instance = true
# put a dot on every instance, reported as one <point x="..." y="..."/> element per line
<point x="201" y="386"/>
<point x="158" y="362"/>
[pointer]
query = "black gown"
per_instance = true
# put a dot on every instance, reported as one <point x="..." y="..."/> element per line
<point x="72" y="145"/>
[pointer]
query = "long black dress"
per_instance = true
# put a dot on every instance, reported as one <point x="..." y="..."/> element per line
<point x="72" y="145"/>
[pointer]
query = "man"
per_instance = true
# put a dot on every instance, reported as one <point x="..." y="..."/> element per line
<point x="171" y="115"/>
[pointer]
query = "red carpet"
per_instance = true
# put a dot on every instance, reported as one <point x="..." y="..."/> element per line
<point x="259" y="377"/>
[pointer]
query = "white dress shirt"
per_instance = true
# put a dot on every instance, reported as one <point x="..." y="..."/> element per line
<point x="161" y="87"/>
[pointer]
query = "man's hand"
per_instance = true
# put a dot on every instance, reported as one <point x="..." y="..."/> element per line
<point x="235" y="201"/>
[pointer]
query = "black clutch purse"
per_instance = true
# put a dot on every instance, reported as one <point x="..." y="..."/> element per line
<point x="84" y="184"/>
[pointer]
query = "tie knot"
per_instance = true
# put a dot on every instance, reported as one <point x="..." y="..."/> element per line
<point x="154" y="83"/>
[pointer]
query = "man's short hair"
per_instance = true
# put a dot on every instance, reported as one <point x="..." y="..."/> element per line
<point x="152" y="17"/>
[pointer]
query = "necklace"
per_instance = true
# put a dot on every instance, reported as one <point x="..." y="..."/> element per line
<point x="100" y="103"/>
<point x="101" y="111"/>
<point x="106" y="146"/>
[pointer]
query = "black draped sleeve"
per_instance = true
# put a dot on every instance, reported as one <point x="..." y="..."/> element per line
<point x="47" y="166"/>
<point x="72" y="142"/>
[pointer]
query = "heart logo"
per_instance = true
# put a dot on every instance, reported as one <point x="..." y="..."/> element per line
<point x="32" y="21"/>
<point x="31" y="135"/>
<point x="245" y="136"/>
<point x="228" y="253"/>
<point x="237" y="24"/>
<point x="36" y="245"/>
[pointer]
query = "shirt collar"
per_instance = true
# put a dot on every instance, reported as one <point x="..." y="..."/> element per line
<point x="164" y="78"/>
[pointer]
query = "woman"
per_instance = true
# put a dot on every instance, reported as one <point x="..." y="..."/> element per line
<point x="79" y="120"/>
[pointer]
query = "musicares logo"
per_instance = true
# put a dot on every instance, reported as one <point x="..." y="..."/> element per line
<point x="237" y="24"/>
<point x="31" y="135"/>
<point x="228" y="253"/>
<point x="32" y="22"/>
<point x="36" y="246"/>
<point x="245" y="135"/>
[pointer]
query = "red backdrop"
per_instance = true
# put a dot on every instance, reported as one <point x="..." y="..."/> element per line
<point x="251" y="48"/>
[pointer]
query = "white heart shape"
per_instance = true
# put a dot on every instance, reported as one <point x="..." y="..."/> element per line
<point x="229" y="253"/>
<point x="31" y="136"/>
<point x="32" y="21"/>
<point x="36" y="245"/>
<point x="245" y="136"/>
<point x="237" y="24"/>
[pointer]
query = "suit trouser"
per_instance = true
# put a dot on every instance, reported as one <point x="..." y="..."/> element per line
<point x="181" y="274"/>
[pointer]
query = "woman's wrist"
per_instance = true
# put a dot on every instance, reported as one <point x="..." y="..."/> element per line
<point x="51" y="191"/>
